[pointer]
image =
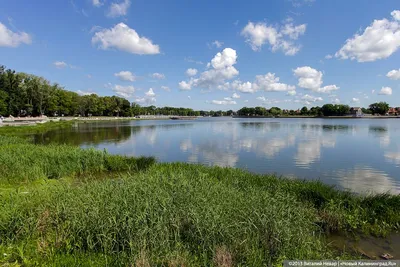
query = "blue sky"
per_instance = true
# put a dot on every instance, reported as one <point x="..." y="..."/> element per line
<point x="286" y="53"/>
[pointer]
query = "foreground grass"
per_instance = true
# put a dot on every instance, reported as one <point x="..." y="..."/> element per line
<point x="120" y="211"/>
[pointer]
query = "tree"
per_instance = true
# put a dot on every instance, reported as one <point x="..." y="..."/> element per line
<point x="379" y="108"/>
<point x="304" y="111"/>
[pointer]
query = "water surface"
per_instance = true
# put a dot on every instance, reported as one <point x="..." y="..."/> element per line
<point x="362" y="155"/>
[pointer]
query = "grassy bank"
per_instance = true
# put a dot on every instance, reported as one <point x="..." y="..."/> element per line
<point x="65" y="206"/>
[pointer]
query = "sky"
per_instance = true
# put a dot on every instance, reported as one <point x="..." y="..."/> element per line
<point x="209" y="54"/>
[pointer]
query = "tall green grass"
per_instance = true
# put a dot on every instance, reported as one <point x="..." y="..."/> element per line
<point x="23" y="162"/>
<point x="11" y="130"/>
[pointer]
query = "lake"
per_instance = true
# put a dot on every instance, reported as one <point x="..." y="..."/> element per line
<point x="362" y="155"/>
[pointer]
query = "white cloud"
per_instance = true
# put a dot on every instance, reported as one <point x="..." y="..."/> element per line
<point x="89" y="92"/>
<point x="378" y="41"/>
<point x="124" y="91"/>
<point x="394" y="74"/>
<point x="119" y="9"/>
<point x="395" y="14"/>
<point x="328" y="56"/>
<point x="311" y="79"/>
<point x="385" y="91"/>
<point x="311" y="98"/>
<point x="9" y="38"/>
<point x="191" y="72"/>
<point x="166" y="88"/>
<point x="355" y="100"/>
<point x="217" y="43"/>
<point x="294" y="31"/>
<point x="291" y="93"/>
<point x="146" y="100"/>
<point x="228" y="98"/>
<point x="125" y="76"/>
<point x="184" y="86"/>
<point x="157" y="75"/>
<point x="267" y="83"/>
<point x="97" y="3"/>
<point x="270" y="83"/>
<point x="259" y="34"/>
<point x="246" y="87"/>
<point x="123" y="38"/>
<point x="150" y="93"/>
<point x="219" y="70"/>
<point x="261" y="98"/>
<point x="60" y="64"/>
<point x="236" y="96"/>
<point x="335" y="101"/>
<point x="223" y="102"/>
<point x="246" y="101"/>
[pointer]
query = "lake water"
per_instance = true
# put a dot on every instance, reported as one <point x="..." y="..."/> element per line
<point x="362" y="155"/>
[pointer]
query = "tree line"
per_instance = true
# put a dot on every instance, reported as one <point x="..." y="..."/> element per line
<point x="23" y="94"/>
<point x="380" y="108"/>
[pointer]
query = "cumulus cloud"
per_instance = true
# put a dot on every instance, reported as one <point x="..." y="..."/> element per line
<point x="185" y="86"/>
<point x="267" y="83"/>
<point x="378" y="41"/>
<point x="259" y="34"/>
<point x="236" y="96"/>
<point x="124" y="91"/>
<point x="118" y="9"/>
<point x="191" y="72"/>
<point x="355" y="100"/>
<point x="123" y="38"/>
<point x="219" y="70"/>
<point x="157" y="75"/>
<point x="396" y="14"/>
<point x="9" y="38"/>
<point x="125" y="76"/>
<point x="294" y="31"/>
<point x="291" y="93"/>
<point x="394" y="74"/>
<point x="385" y="91"/>
<point x="223" y="102"/>
<point x="311" y="79"/>
<point x="150" y="93"/>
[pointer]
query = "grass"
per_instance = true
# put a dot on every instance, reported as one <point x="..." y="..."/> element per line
<point x="65" y="206"/>
<point x="34" y="129"/>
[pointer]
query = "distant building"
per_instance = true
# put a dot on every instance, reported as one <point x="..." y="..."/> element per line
<point x="356" y="111"/>
<point x="394" y="111"/>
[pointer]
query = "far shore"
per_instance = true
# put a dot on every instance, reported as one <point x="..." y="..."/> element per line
<point x="23" y="121"/>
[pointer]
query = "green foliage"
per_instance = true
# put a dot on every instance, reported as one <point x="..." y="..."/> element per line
<point x="24" y="162"/>
<point x="379" y="108"/>
<point x="184" y="213"/>
<point x="335" y="110"/>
